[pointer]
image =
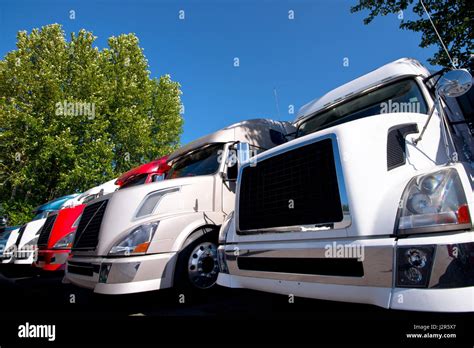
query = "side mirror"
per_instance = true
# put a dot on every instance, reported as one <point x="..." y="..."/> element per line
<point x="454" y="83"/>
<point x="3" y="221"/>
<point x="235" y="161"/>
<point x="243" y="153"/>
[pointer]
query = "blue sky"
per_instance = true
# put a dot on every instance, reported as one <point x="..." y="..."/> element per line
<point x="300" y="58"/>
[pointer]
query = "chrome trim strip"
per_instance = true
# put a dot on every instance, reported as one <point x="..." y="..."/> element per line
<point x="377" y="264"/>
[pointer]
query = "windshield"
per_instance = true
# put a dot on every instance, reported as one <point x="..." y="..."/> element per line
<point x="41" y="215"/>
<point x="201" y="162"/>
<point x="135" y="181"/>
<point x="402" y="96"/>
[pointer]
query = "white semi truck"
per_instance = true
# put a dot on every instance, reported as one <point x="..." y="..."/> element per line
<point x="164" y="234"/>
<point x="371" y="203"/>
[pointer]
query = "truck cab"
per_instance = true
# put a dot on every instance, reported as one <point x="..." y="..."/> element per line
<point x="164" y="234"/>
<point x="144" y="174"/>
<point x="373" y="204"/>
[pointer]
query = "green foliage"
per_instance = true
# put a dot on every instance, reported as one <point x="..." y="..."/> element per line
<point x="452" y="18"/>
<point x="73" y="116"/>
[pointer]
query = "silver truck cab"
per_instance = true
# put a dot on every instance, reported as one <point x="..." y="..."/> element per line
<point x="164" y="234"/>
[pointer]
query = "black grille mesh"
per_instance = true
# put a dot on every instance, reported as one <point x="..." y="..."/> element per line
<point x="87" y="235"/>
<point x="298" y="187"/>
<point x="46" y="230"/>
<point x="396" y="148"/>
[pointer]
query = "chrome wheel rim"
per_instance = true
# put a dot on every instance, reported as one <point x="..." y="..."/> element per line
<point x="202" y="265"/>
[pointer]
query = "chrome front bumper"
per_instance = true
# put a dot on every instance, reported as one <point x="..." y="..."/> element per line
<point x="450" y="287"/>
<point x="122" y="275"/>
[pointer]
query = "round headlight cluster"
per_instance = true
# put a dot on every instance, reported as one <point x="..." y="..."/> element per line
<point x="414" y="265"/>
<point x="430" y="183"/>
<point x="419" y="203"/>
<point x="413" y="274"/>
<point x="416" y="258"/>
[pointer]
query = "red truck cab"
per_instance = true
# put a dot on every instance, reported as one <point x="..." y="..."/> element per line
<point x="57" y="235"/>
<point x="144" y="174"/>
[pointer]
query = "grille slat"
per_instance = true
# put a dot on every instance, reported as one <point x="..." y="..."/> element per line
<point x="298" y="187"/>
<point x="87" y="235"/>
<point x="46" y="230"/>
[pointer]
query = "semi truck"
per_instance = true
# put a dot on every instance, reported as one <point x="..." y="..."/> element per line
<point x="164" y="234"/>
<point x="372" y="202"/>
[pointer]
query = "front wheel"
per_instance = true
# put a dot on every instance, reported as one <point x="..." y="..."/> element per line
<point x="197" y="267"/>
<point x="202" y="265"/>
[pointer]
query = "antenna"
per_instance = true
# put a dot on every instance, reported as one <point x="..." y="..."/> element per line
<point x="436" y="31"/>
<point x="276" y="102"/>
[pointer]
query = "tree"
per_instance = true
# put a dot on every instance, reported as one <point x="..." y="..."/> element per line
<point x="452" y="19"/>
<point x="73" y="116"/>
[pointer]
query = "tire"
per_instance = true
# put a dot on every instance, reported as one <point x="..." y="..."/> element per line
<point x="197" y="268"/>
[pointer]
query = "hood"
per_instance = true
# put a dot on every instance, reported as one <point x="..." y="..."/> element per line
<point x="55" y="204"/>
<point x="31" y="231"/>
<point x="64" y="223"/>
<point x="176" y="197"/>
<point x="139" y="192"/>
<point x="105" y="188"/>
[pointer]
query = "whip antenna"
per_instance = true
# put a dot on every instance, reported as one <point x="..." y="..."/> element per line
<point x="276" y="102"/>
<point x="436" y="31"/>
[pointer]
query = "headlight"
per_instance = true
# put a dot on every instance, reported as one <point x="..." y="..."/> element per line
<point x="137" y="242"/>
<point x="10" y="250"/>
<point x="414" y="266"/>
<point x="434" y="202"/>
<point x="65" y="242"/>
<point x="225" y="228"/>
